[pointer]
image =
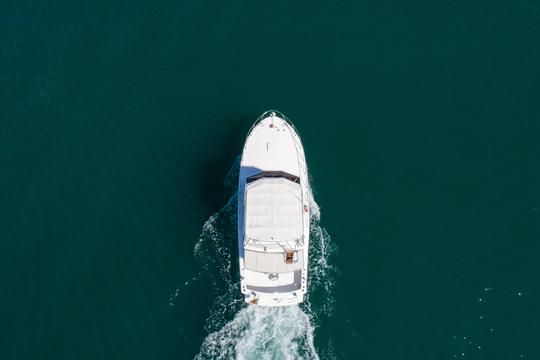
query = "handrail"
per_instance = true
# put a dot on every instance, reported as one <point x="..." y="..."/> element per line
<point x="275" y="244"/>
<point x="268" y="113"/>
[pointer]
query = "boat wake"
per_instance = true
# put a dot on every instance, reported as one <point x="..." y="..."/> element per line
<point x="262" y="333"/>
<point x="240" y="331"/>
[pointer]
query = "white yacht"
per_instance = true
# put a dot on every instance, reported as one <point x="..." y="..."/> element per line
<point x="273" y="214"/>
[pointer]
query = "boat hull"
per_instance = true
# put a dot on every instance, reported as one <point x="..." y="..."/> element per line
<point x="273" y="272"/>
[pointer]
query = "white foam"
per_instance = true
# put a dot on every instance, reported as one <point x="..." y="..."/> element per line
<point x="262" y="333"/>
<point x="314" y="209"/>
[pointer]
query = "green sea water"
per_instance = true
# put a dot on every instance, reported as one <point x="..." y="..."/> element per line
<point x="121" y="123"/>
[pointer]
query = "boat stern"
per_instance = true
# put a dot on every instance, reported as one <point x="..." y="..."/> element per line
<point x="277" y="299"/>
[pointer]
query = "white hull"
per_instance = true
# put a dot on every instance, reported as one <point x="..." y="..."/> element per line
<point x="273" y="214"/>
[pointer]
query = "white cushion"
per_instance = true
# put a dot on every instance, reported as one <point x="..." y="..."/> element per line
<point x="273" y="210"/>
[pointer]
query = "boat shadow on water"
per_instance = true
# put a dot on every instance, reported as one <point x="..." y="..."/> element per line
<point x="213" y="170"/>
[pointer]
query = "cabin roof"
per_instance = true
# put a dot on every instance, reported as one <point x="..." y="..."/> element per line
<point x="273" y="210"/>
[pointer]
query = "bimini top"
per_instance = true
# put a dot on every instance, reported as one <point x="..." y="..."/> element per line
<point x="273" y="210"/>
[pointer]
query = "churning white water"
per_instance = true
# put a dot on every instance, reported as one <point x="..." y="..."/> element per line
<point x="262" y="333"/>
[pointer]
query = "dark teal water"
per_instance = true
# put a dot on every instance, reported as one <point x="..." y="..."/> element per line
<point x="120" y="120"/>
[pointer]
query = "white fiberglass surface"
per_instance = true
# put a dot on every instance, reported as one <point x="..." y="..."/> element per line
<point x="271" y="146"/>
<point x="271" y="262"/>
